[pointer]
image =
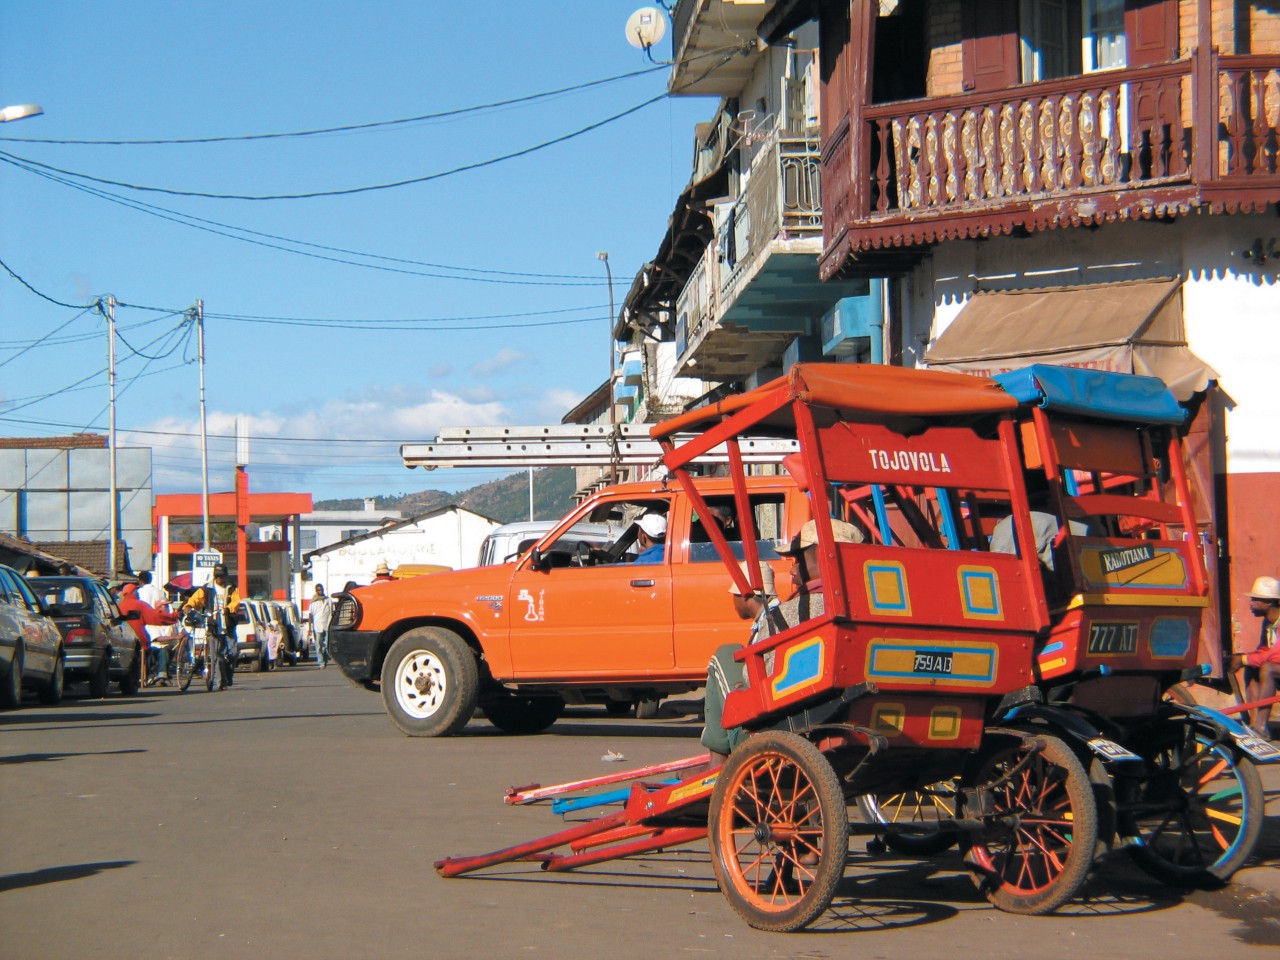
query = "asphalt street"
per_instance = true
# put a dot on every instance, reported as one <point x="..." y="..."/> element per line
<point x="286" y="817"/>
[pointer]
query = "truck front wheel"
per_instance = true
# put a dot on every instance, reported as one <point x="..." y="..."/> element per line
<point x="430" y="683"/>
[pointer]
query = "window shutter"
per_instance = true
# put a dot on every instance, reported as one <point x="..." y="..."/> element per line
<point x="989" y="45"/>
<point x="1151" y="31"/>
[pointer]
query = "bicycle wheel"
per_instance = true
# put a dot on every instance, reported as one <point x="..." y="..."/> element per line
<point x="184" y="663"/>
<point x="1035" y="852"/>
<point x="779" y="831"/>
<point x="210" y="666"/>
<point x="921" y="807"/>
<point x="1197" y="809"/>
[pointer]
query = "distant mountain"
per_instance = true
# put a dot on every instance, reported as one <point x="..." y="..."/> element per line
<point x="505" y="500"/>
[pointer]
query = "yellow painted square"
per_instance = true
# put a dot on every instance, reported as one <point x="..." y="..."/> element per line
<point x="889" y="718"/>
<point x="944" y="723"/>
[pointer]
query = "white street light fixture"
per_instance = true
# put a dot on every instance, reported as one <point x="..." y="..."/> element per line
<point x="20" y="112"/>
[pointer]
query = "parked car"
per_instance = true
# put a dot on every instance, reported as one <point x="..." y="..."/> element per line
<point x="30" y="644"/>
<point x="251" y="640"/>
<point x="298" y="627"/>
<point x="565" y="622"/>
<point x="99" y="646"/>
<point x="274" y="612"/>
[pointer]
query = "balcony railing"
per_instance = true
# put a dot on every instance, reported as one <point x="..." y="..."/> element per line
<point x="1115" y="131"/>
<point x="783" y="201"/>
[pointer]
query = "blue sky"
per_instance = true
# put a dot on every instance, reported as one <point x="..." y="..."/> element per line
<point x="490" y="275"/>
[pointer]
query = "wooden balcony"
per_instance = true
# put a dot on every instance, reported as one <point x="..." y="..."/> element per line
<point x="1138" y="143"/>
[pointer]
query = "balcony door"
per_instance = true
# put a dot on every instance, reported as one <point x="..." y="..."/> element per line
<point x="1009" y="42"/>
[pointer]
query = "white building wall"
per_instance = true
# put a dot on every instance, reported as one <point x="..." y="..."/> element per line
<point x="451" y="538"/>
<point x="1231" y="306"/>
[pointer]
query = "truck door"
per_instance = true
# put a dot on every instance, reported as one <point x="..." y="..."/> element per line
<point x="582" y="614"/>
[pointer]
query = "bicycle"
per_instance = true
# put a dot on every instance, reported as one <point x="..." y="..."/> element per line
<point x="215" y="667"/>
<point x="182" y="660"/>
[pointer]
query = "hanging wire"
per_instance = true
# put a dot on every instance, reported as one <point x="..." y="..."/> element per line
<point x="346" y="191"/>
<point x="351" y="127"/>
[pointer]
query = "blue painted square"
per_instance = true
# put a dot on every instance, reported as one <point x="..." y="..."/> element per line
<point x="1170" y="638"/>
<point x="990" y="605"/>
<point x="894" y="598"/>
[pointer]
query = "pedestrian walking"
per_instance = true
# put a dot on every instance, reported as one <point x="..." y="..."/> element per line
<point x="320" y="613"/>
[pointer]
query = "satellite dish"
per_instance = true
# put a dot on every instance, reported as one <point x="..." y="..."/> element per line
<point x="646" y="27"/>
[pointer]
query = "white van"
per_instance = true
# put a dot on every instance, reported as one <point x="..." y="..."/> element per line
<point x="512" y="539"/>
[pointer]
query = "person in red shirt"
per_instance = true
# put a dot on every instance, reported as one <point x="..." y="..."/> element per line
<point x="147" y="616"/>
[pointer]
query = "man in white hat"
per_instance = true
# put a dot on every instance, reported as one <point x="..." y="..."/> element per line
<point x="1262" y="666"/>
<point x="652" y="538"/>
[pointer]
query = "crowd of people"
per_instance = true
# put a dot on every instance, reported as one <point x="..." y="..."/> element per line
<point x="161" y="614"/>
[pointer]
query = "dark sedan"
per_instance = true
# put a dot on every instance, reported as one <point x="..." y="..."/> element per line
<point x="100" y="647"/>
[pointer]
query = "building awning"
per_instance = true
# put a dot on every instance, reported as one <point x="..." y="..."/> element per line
<point x="1128" y="327"/>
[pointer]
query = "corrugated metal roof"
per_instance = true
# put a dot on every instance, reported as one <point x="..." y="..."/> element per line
<point x="95" y="441"/>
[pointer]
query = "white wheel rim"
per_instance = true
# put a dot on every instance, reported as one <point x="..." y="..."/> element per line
<point x="421" y="684"/>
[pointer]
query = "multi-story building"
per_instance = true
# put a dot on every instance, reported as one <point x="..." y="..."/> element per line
<point x="734" y="292"/>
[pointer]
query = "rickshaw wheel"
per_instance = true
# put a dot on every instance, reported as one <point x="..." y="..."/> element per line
<point x="1036" y="850"/>
<point x="923" y="806"/>
<point x="1197" y="809"/>
<point x="778" y="831"/>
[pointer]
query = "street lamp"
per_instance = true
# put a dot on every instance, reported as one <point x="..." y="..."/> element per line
<point x="20" y="112"/>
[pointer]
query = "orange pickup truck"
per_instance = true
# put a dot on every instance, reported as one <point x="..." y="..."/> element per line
<point x="566" y="622"/>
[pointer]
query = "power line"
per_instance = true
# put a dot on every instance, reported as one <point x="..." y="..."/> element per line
<point x="186" y="434"/>
<point x="484" y="316"/>
<point x="195" y="223"/>
<point x="42" y="296"/>
<point x="346" y="191"/>
<point x="347" y="128"/>
<point x="45" y="339"/>
<point x="366" y="325"/>
<point x="390" y="325"/>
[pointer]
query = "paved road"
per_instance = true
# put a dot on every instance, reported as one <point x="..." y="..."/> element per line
<point x="285" y="818"/>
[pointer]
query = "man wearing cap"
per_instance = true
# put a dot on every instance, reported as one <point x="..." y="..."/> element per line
<point x="725" y="673"/>
<point x="1263" y="664"/>
<point x="218" y="598"/>
<point x="651" y="537"/>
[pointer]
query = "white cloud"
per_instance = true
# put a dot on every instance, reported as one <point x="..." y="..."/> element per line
<point x="281" y="456"/>
<point x="502" y="360"/>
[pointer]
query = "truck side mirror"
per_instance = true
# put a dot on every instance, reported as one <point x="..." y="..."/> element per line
<point x="538" y="560"/>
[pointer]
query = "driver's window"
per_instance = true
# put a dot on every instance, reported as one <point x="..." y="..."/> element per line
<point x="608" y="534"/>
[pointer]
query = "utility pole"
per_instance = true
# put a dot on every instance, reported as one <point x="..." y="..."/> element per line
<point x="603" y="256"/>
<point x="113" y="526"/>
<point x="204" y="434"/>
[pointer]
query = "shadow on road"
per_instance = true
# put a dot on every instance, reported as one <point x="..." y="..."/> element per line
<point x="72" y="871"/>
<point x="46" y="757"/>
<point x="62" y="716"/>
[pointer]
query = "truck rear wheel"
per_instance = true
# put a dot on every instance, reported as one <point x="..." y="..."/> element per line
<point x="523" y="715"/>
<point x="430" y="683"/>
